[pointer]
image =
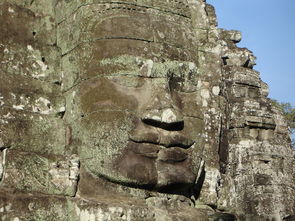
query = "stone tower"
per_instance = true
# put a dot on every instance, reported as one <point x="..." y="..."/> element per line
<point x="135" y="110"/>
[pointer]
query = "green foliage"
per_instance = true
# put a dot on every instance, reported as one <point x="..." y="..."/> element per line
<point x="288" y="111"/>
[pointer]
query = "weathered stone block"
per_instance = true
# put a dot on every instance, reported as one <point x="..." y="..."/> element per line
<point x="29" y="172"/>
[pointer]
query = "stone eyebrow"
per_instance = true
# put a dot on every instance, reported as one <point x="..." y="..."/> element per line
<point x="174" y="69"/>
<point x="136" y="66"/>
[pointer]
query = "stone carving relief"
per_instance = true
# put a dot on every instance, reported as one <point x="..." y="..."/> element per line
<point x="65" y="175"/>
<point x="135" y="110"/>
<point x="154" y="140"/>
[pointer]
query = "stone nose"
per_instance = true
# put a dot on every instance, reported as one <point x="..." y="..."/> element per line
<point x="166" y="118"/>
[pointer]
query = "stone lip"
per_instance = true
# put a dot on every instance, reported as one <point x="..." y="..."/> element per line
<point x="155" y="166"/>
<point x="167" y="139"/>
<point x="160" y="152"/>
<point x="172" y="155"/>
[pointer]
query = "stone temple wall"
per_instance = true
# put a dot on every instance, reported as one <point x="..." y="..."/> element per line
<point x="135" y="110"/>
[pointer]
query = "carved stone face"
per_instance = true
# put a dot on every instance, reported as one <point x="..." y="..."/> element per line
<point x="142" y="127"/>
<point x="136" y="99"/>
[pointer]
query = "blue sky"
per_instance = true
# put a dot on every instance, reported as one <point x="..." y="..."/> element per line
<point x="268" y="29"/>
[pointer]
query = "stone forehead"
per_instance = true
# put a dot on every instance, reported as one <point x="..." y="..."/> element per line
<point x="175" y="7"/>
<point x="144" y="28"/>
<point x="149" y="25"/>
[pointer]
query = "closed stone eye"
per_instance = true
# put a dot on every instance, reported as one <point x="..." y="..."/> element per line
<point x="129" y="81"/>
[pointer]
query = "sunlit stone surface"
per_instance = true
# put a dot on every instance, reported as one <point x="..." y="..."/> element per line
<point x="135" y="110"/>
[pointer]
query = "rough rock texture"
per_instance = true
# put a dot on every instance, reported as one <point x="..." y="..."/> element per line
<point x="135" y="110"/>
